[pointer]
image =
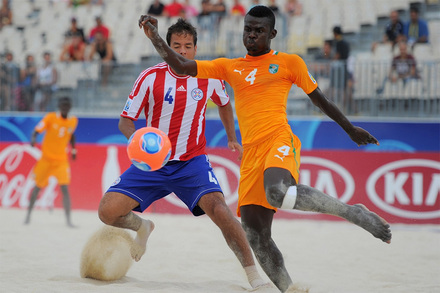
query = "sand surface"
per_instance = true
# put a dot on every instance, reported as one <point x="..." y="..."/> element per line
<point x="188" y="254"/>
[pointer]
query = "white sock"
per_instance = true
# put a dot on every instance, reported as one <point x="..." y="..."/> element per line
<point x="253" y="276"/>
<point x="289" y="199"/>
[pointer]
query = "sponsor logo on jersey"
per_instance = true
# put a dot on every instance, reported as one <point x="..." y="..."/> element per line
<point x="273" y="68"/>
<point x="128" y="105"/>
<point x="197" y="94"/>
<point x="407" y="188"/>
<point x="181" y="89"/>
<point x="116" y="181"/>
<point x="312" y="78"/>
<point x="239" y="71"/>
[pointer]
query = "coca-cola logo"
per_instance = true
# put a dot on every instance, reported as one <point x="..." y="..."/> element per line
<point x="227" y="173"/>
<point x="326" y="176"/>
<point x="407" y="188"/>
<point x="16" y="181"/>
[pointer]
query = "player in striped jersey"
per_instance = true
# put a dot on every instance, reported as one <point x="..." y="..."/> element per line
<point x="271" y="152"/>
<point x="176" y="104"/>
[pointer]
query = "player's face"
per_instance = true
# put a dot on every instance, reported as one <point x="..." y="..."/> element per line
<point x="257" y="35"/>
<point x="64" y="108"/>
<point x="183" y="44"/>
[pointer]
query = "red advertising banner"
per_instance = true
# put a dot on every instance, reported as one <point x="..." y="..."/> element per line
<point x="401" y="187"/>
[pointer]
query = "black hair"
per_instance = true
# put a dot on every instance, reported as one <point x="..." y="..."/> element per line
<point x="264" y="12"/>
<point x="337" y="30"/>
<point x="182" y="26"/>
<point x="414" y="9"/>
<point x="64" y="99"/>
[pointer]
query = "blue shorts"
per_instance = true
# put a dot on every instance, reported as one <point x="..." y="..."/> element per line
<point x="189" y="180"/>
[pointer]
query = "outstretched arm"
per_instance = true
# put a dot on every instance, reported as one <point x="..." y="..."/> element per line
<point x="227" y="117"/>
<point x="178" y="63"/>
<point x="357" y="134"/>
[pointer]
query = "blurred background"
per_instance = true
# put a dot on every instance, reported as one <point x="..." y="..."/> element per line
<point x="383" y="60"/>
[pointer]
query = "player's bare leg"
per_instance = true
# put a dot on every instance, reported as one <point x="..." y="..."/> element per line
<point x="281" y="192"/>
<point x="66" y="204"/>
<point x="115" y="209"/>
<point x="213" y="204"/>
<point x="257" y="223"/>
<point x="32" y="201"/>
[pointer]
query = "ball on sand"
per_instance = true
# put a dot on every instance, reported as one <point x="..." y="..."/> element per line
<point x="106" y="256"/>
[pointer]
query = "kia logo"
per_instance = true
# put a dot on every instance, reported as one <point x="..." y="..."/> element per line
<point x="408" y="186"/>
<point x="330" y="177"/>
<point x="227" y="173"/>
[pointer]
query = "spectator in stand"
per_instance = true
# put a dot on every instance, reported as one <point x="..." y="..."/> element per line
<point x="74" y="50"/>
<point x="28" y="84"/>
<point x="104" y="48"/>
<point x="404" y="66"/>
<point x="416" y="29"/>
<point x="47" y="77"/>
<point x="323" y="59"/>
<point x="9" y="80"/>
<point x="156" y="8"/>
<point x="75" y="30"/>
<point x="293" y="8"/>
<point x="393" y="31"/>
<point x="341" y="79"/>
<point x="100" y="27"/>
<point x="274" y="7"/>
<point x="5" y="14"/>
<point x="190" y="11"/>
<point x="174" y="9"/>
<point x="238" y="8"/>
<point x="204" y="17"/>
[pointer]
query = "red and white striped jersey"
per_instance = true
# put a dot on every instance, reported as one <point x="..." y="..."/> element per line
<point x="176" y="105"/>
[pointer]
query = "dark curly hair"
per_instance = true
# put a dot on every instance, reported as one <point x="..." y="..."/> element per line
<point x="182" y="26"/>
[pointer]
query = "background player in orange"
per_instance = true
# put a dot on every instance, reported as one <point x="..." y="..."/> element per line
<point x="60" y="131"/>
<point x="271" y="152"/>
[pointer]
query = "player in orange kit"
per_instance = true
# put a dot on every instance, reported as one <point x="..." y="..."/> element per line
<point x="60" y="131"/>
<point x="271" y="152"/>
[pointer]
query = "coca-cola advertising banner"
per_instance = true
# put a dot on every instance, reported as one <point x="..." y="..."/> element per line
<point x="401" y="187"/>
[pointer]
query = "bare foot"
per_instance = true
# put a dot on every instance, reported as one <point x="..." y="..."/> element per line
<point x="139" y="245"/>
<point x="298" y="288"/>
<point x="372" y="223"/>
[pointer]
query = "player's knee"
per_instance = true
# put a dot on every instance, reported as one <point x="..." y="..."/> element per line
<point x="274" y="195"/>
<point x="105" y="214"/>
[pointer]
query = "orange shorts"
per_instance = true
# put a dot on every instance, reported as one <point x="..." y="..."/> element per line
<point x="46" y="168"/>
<point x="282" y="151"/>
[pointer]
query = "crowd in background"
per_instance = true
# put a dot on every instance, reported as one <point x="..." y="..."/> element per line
<point x="30" y="88"/>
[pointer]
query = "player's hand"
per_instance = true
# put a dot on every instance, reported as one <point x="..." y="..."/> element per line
<point x="73" y="153"/>
<point x="362" y="137"/>
<point x="235" y="146"/>
<point x="149" y="24"/>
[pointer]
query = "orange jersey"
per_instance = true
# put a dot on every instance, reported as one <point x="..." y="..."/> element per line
<point x="58" y="134"/>
<point x="261" y="86"/>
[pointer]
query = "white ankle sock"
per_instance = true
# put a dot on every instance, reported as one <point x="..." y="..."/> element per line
<point x="253" y="276"/>
<point x="289" y="199"/>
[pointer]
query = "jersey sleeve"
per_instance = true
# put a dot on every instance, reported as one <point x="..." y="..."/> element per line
<point x="211" y="68"/>
<point x="219" y="95"/>
<point x="42" y="125"/>
<point x="137" y="98"/>
<point x="300" y="74"/>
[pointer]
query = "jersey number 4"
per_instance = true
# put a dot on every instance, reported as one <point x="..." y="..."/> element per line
<point x="251" y="76"/>
<point x="168" y="96"/>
